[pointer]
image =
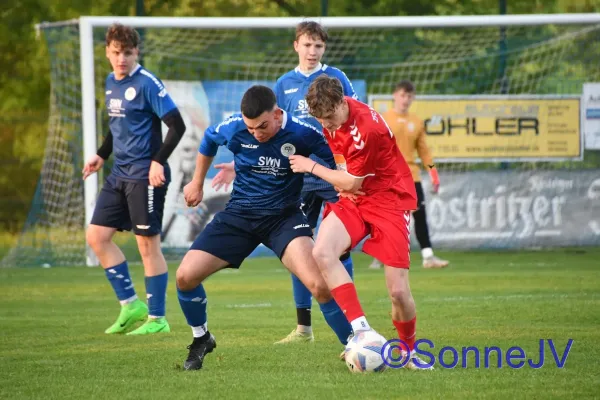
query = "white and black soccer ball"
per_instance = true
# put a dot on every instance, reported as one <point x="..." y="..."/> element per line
<point x="363" y="352"/>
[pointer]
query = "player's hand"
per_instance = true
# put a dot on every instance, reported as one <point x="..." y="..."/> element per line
<point x="301" y="164"/>
<point x="224" y="177"/>
<point x="193" y="194"/>
<point x="349" y="195"/>
<point x="93" y="165"/>
<point x="435" y="180"/>
<point x="156" y="176"/>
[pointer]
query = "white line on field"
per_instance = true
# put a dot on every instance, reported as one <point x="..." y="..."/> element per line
<point x="506" y="297"/>
<point x="257" y="305"/>
<point x="450" y="299"/>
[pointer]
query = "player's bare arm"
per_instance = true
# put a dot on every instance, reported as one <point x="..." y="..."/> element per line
<point x="194" y="191"/>
<point x="97" y="161"/>
<point x="339" y="179"/>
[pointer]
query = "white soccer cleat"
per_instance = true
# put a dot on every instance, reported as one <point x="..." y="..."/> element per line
<point x="434" y="262"/>
<point x="416" y="364"/>
<point x="376" y="264"/>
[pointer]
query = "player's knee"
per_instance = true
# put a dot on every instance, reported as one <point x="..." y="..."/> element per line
<point x="320" y="291"/>
<point x="185" y="280"/>
<point x="323" y="255"/>
<point x="400" y="294"/>
<point x="147" y="246"/>
<point x="95" y="237"/>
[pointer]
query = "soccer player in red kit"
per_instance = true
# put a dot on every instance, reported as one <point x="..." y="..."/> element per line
<point x="378" y="195"/>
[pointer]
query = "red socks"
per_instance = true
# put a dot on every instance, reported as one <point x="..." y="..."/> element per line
<point x="347" y="298"/>
<point x="407" y="331"/>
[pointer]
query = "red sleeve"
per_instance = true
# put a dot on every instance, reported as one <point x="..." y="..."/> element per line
<point x="362" y="154"/>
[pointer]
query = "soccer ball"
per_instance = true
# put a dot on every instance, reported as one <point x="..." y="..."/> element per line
<point x="363" y="352"/>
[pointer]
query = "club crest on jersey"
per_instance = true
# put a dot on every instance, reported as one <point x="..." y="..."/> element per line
<point x="288" y="149"/>
<point x="130" y="93"/>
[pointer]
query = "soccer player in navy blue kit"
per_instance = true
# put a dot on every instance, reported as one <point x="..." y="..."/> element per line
<point x="291" y="89"/>
<point x="264" y="208"/>
<point x="133" y="195"/>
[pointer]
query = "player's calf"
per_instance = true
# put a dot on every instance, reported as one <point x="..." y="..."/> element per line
<point x="403" y="303"/>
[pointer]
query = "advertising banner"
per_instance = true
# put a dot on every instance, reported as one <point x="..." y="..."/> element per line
<point x="497" y="128"/>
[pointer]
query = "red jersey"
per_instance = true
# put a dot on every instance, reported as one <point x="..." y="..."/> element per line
<point x="365" y="147"/>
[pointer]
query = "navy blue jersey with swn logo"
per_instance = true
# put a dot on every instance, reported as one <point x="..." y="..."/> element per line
<point x="291" y="89"/>
<point x="264" y="182"/>
<point x="136" y="104"/>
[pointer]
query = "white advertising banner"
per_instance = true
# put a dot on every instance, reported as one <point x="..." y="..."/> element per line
<point x="515" y="209"/>
<point x="590" y="115"/>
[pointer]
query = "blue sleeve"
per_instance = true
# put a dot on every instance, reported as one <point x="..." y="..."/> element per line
<point x="317" y="145"/>
<point x="209" y="144"/>
<point x="278" y="93"/>
<point x="214" y="136"/>
<point x="159" y="99"/>
<point x="347" y="85"/>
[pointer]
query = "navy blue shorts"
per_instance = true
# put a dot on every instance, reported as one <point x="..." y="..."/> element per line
<point x="126" y="204"/>
<point x="313" y="201"/>
<point x="233" y="235"/>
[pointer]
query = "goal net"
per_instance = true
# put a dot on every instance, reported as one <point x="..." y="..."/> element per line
<point x="501" y="105"/>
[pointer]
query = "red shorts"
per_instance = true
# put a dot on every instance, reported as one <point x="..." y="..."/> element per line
<point x="389" y="230"/>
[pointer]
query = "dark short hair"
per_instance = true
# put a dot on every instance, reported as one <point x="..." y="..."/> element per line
<point x="257" y="100"/>
<point x="312" y="29"/>
<point x="324" y="95"/>
<point x="125" y="36"/>
<point x="405" y="85"/>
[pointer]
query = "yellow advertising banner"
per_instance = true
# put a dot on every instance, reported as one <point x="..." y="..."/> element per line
<point x="497" y="128"/>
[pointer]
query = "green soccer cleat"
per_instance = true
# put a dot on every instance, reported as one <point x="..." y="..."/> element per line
<point x="297" y="337"/>
<point x="153" y="325"/>
<point x="130" y="314"/>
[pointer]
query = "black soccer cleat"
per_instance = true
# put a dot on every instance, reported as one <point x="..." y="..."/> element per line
<point x="199" y="348"/>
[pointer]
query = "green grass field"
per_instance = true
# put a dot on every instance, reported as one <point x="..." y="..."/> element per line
<point x="52" y="344"/>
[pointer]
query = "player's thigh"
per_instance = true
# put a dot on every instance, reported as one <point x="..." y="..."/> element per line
<point x="342" y="229"/>
<point x="98" y="235"/>
<point x="277" y="232"/>
<point x="111" y="210"/>
<point x="146" y="206"/>
<point x="196" y="266"/>
<point x="390" y="236"/>
<point x="298" y="259"/>
<point x="229" y="237"/>
<point x="311" y="206"/>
